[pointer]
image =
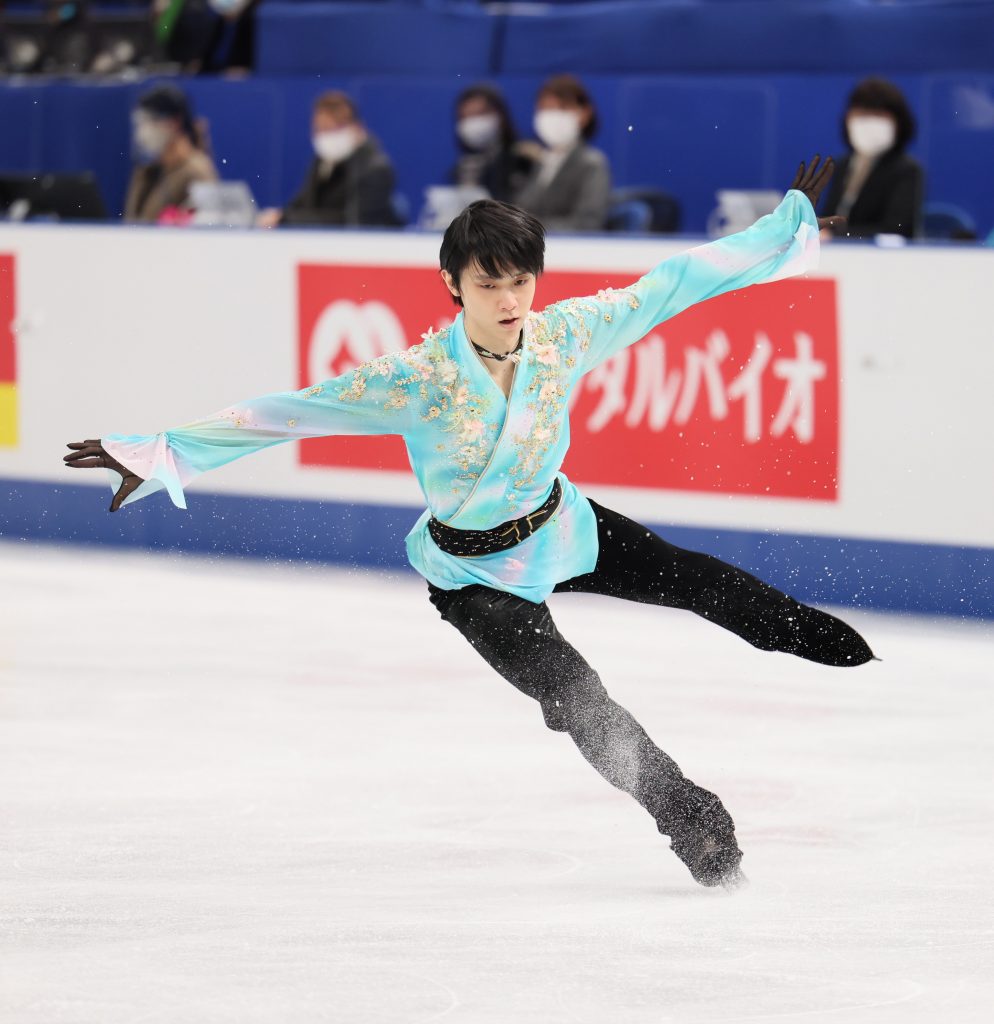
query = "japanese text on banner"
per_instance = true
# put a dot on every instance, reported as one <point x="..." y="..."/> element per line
<point x="737" y="395"/>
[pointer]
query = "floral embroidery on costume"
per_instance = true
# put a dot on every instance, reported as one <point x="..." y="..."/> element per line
<point x="239" y="416"/>
<point x="545" y="397"/>
<point x="463" y="413"/>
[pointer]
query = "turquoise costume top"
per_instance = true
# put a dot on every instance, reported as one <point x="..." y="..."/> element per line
<point x="482" y="459"/>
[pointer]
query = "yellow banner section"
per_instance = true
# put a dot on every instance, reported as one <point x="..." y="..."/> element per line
<point x="8" y="415"/>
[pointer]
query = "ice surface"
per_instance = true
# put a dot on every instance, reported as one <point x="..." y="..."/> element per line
<point x="237" y="792"/>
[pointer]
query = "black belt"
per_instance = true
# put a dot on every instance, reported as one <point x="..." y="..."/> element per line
<point x="473" y="543"/>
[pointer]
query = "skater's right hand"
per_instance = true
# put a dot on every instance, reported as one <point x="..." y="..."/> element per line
<point x="91" y="455"/>
<point x="811" y="180"/>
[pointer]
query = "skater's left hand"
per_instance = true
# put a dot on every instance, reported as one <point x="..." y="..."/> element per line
<point x="90" y="454"/>
<point x="812" y="181"/>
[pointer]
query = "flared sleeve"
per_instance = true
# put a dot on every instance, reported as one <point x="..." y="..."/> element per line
<point x="782" y="244"/>
<point x="375" y="398"/>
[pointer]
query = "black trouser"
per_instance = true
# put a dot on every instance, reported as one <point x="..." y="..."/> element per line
<point x="520" y="640"/>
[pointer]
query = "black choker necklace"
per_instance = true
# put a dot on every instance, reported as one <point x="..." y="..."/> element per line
<point x="500" y="356"/>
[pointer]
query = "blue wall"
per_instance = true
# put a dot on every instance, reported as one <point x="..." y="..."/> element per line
<point x="690" y="134"/>
<point x="627" y="36"/>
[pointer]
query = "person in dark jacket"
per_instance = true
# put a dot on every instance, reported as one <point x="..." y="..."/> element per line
<point x="489" y="156"/>
<point x="571" y="183"/>
<point x="350" y="180"/>
<point x="877" y="186"/>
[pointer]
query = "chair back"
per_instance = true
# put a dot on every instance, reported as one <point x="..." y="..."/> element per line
<point x="629" y="216"/>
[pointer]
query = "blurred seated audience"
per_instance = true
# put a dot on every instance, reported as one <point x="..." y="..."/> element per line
<point x="76" y="37"/>
<point x="54" y="40"/>
<point x="876" y="185"/>
<point x="173" y="151"/>
<point x="489" y="156"/>
<point x="570" y="185"/>
<point x="350" y="180"/>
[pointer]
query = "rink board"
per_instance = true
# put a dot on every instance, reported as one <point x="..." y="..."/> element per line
<point x="924" y="578"/>
<point x="829" y="433"/>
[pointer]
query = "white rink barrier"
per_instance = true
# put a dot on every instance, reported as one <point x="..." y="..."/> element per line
<point x="830" y="433"/>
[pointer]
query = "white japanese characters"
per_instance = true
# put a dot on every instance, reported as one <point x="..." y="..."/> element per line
<point x="648" y="386"/>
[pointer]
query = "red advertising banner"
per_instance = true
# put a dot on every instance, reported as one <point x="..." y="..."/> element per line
<point x="8" y="365"/>
<point x="737" y="395"/>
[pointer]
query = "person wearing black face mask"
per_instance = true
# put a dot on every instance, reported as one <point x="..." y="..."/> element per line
<point x="489" y="155"/>
<point x="171" y="153"/>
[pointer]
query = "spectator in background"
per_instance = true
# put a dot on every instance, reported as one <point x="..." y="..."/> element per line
<point x="877" y="186"/>
<point x="174" y="154"/>
<point x="64" y="46"/>
<point x="569" y="187"/>
<point x="207" y="36"/>
<point x="489" y="157"/>
<point x="350" y="180"/>
<point x="232" y="46"/>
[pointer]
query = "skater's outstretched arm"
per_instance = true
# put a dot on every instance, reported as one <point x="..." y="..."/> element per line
<point x="782" y="244"/>
<point x="372" y="399"/>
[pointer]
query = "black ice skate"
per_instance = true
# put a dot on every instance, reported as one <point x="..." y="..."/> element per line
<point x="702" y="835"/>
<point x="818" y="636"/>
<point x="770" y="620"/>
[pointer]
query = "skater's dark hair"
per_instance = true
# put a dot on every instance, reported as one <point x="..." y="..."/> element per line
<point x="879" y="94"/>
<point x="503" y="239"/>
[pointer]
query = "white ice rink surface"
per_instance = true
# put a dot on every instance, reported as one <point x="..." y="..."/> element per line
<point x="234" y="792"/>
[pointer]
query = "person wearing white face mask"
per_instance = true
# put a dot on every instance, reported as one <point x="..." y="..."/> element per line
<point x="569" y="187"/>
<point x="489" y="156"/>
<point x="171" y="155"/>
<point x="350" y="180"/>
<point x="878" y="187"/>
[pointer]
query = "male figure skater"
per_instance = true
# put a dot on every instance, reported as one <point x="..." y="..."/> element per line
<point x="483" y="409"/>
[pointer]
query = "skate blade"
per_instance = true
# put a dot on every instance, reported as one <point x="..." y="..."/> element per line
<point x="735" y="882"/>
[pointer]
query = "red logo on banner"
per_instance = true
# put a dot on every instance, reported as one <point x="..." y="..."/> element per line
<point x="8" y="366"/>
<point x="736" y="395"/>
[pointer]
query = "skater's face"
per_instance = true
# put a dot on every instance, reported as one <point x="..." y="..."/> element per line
<point x="495" y="307"/>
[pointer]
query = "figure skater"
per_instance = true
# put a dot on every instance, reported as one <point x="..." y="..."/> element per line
<point x="483" y="409"/>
